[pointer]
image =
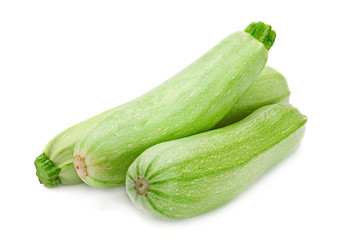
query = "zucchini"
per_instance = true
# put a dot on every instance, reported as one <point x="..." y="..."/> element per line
<point x="55" y="164"/>
<point x="193" y="175"/>
<point x="192" y="101"/>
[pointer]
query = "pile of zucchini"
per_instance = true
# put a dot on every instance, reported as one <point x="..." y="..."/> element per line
<point x="192" y="143"/>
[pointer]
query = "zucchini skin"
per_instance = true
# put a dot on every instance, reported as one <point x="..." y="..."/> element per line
<point x="192" y="101"/>
<point x="270" y="87"/>
<point x="191" y="176"/>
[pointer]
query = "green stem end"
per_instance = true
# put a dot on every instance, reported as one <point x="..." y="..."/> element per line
<point x="46" y="171"/>
<point x="263" y="33"/>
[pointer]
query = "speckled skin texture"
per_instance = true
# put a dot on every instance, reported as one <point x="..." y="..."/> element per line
<point x="193" y="175"/>
<point x="190" y="102"/>
<point x="269" y="88"/>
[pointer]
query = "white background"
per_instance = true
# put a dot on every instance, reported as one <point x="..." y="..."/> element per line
<point x="64" y="61"/>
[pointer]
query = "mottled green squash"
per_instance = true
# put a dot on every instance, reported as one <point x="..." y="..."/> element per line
<point x="192" y="101"/>
<point x="193" y="175"/>
<point x="57" y="156"/>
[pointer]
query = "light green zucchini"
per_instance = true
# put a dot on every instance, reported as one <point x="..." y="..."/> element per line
<point x="55" y="165"/>
<point x="193" y="175"/>
<point x="270" y="87"/>
<point x="192" y="101"/>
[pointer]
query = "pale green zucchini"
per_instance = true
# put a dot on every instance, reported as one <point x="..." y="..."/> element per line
<point x="270" y="87"/>
<point x="193" y="175"/>
<point x="55" y="164"/>
<point x="192" y="101"/>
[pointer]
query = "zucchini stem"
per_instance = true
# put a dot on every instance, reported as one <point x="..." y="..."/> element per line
<point x="142" y="185"/>
<point x="46" y="171"/>
<point x="80" y="166"/>
<point x="263" y="33"/>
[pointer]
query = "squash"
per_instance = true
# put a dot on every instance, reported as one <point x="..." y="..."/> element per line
<point x="193" y="175"/>
<point x="56" y="159"/>
<point x="192" y="101"/>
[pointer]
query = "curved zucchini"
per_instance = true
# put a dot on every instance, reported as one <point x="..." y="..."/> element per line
<point x="270" y="87"/>
<point x="191" y="176"/>
<point x="190" y="102"/>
